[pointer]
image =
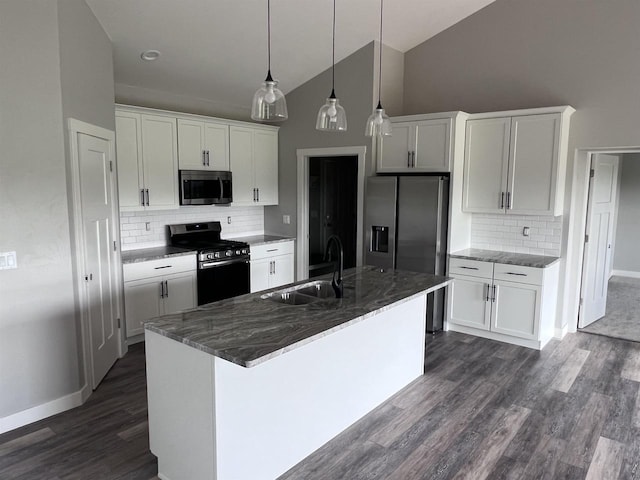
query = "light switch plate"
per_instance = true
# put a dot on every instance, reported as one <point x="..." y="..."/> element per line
<point x="286" y="219"/>
<point x="8" y="260"/>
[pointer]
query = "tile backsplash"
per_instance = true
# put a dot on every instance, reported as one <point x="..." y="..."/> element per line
<point x="504" y="232"/>
<point x="134" y="232"/>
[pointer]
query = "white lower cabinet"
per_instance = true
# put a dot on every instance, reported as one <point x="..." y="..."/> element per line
<point x="158" y="287"/>
<point x="510" y="303"/>
<point x="272" y="265"/>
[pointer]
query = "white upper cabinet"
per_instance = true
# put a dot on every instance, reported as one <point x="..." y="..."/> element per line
<point x="516" y="164"/>
<point x="147" y="160"/>
<point x="203" y="145"/>
<point x="417" y="146"/>
<point x="254" y="165"/>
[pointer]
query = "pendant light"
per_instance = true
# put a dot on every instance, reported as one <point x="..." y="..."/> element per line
<point x="378" y="123"/>
<point x="331" y="116"/>
<point x="269" y="104"/>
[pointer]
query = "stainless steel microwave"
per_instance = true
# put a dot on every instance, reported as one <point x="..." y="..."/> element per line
<point x="201" y="187"/>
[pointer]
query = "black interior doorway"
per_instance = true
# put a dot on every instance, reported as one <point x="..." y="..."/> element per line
<point x="333" y="188"/>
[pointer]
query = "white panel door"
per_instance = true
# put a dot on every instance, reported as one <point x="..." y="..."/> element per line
<point x="485" y="165"/>
<point x="129" y="160"/>
<point x="96" y="190"/>
<point x="470" y="305"/>
<point x="281" y="271"/>
<point x="395" y="154"/>
<point x="160" y="159"/>
<point x="515" y="309"/>
<point x="241" y="159"/>
<point x="191" y="149"/>
<point x="180" y="292"/>
<point x="533" y="164"/>
<point x="433" y="142"/>
<point x="142" y="301"/>
<point x="603" y="193"/>
<point x="265" y="164"/>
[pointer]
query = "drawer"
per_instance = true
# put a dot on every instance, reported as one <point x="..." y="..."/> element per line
<point x="517" y="273"/>
<point x="269" y="250"/>
<point x="159" y="267"/>
<point x="472" y="268"/>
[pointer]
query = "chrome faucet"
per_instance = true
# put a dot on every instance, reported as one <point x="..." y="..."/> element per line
<point x="336" y="283"/>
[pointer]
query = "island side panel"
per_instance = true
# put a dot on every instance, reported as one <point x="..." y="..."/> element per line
<point x="181" y="419"/>
<point x="271" y="416"/>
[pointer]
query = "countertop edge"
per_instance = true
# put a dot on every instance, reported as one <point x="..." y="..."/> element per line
<point x="508" y="261"/>
<point x="146" y="257"/>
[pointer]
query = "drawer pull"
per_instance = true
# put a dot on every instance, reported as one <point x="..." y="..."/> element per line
<point x="518" y="274"/>
<point x="273" y="250"/>
<point x="469" y="268"/>
<point x="165" y="266"/>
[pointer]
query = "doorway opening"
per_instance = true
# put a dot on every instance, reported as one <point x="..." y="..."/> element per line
<point x="610" y="303"/>
<point x="330" y="201"/>
<point x="333" y="188"/>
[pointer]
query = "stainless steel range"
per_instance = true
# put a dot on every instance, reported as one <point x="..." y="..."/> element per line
<point x="223" y="265"/>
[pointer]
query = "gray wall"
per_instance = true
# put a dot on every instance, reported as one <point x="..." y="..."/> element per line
<point x="43" y="80"/>
<point x="521" y="53"/>
<point x="354" y="87"/>
<point x="627" y="254"/>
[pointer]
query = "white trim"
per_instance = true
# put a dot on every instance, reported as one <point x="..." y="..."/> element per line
<point x="625" y="273"/>
<point x="576" y="230"/>
<point x="560" y="333"/>
<point x="44" y="410"/>
<point x="527" y="111"/>
<point x="76" y="127"/>
<point x="303" y="154"/>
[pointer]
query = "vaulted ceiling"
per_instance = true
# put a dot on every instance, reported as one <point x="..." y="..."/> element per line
<point x="217" y="49"/>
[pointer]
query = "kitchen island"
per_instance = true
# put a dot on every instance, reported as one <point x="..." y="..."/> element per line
<point x="247" y="387"/>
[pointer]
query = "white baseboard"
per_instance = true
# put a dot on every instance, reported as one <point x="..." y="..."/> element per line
<point x="625" y="273"/>
<point x="45" y="410"/>
<point x="560" y="333"/>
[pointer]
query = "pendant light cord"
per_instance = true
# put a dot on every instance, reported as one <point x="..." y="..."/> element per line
<point x="269" y="35"/>
<point x="333" y="53"/>
<point x="380" y="66"/>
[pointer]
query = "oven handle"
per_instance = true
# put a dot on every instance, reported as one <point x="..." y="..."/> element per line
<point x="205" y="265"/>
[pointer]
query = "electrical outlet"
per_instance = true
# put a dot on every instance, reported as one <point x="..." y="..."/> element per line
<point x="286" y="219"/>
<point x="147" y="226"/>
<point x="8" y="260"/>
<point x="525" y="231"/>
<point x="229" y="220"/>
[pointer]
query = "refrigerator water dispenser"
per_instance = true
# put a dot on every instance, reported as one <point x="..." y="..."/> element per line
<point x="379" y="239"/>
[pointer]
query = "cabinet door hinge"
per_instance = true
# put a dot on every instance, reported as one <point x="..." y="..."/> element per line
<point x="592" y="173"/>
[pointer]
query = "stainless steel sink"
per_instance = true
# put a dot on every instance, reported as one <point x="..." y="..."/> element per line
<point x="302" y="294"/>
<point x="318" y="289"/>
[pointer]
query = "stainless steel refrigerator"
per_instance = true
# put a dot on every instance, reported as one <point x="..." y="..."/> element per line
<point x="406" y="228"/>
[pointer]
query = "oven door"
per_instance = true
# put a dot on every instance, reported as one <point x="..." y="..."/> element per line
<point x="220" y="280"/>
<point x="205" y="188"/>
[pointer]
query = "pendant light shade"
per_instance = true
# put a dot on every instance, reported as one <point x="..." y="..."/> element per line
<point x="332" y="116"/>
<point x="378" y="123"/>
<point x="269" y="103"/>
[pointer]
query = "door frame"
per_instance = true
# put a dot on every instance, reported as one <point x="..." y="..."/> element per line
<point x="303" y="155"/>
<point x="75" y="128"/>
<point x="576" y="231"/>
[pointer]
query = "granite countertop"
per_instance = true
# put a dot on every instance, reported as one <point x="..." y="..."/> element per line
<point x="146" y="254"/>
<point x="248" y="330"/>
<point x="254" y="240"/>
<point x="510" y="258"/>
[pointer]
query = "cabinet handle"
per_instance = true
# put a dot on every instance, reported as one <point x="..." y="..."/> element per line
<point x="408" y="159"/>
<point x="164" y="266"/>
<point x="515" y="273"/>
<point x="258" y="193"/>
<point x="254" y="194"/>
<point x="161" y="289"/>
<point x="487" y="296"/>
<point x="142" y="197"/>
<point x="147" y="193"/>
<point x="274" y="267"/>
<point x="166" y="289"/>
<point x="502" y="200"/>
<point x="204" y="157"/>
<point x="469" y="268"/>
<point x="413" y="159"/>
<point x="207" y="158"/>
<point x="509" y="201"/>
<point x="493" y="298"/>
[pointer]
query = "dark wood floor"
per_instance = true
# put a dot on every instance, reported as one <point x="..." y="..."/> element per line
<point x="482" y="410"/>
